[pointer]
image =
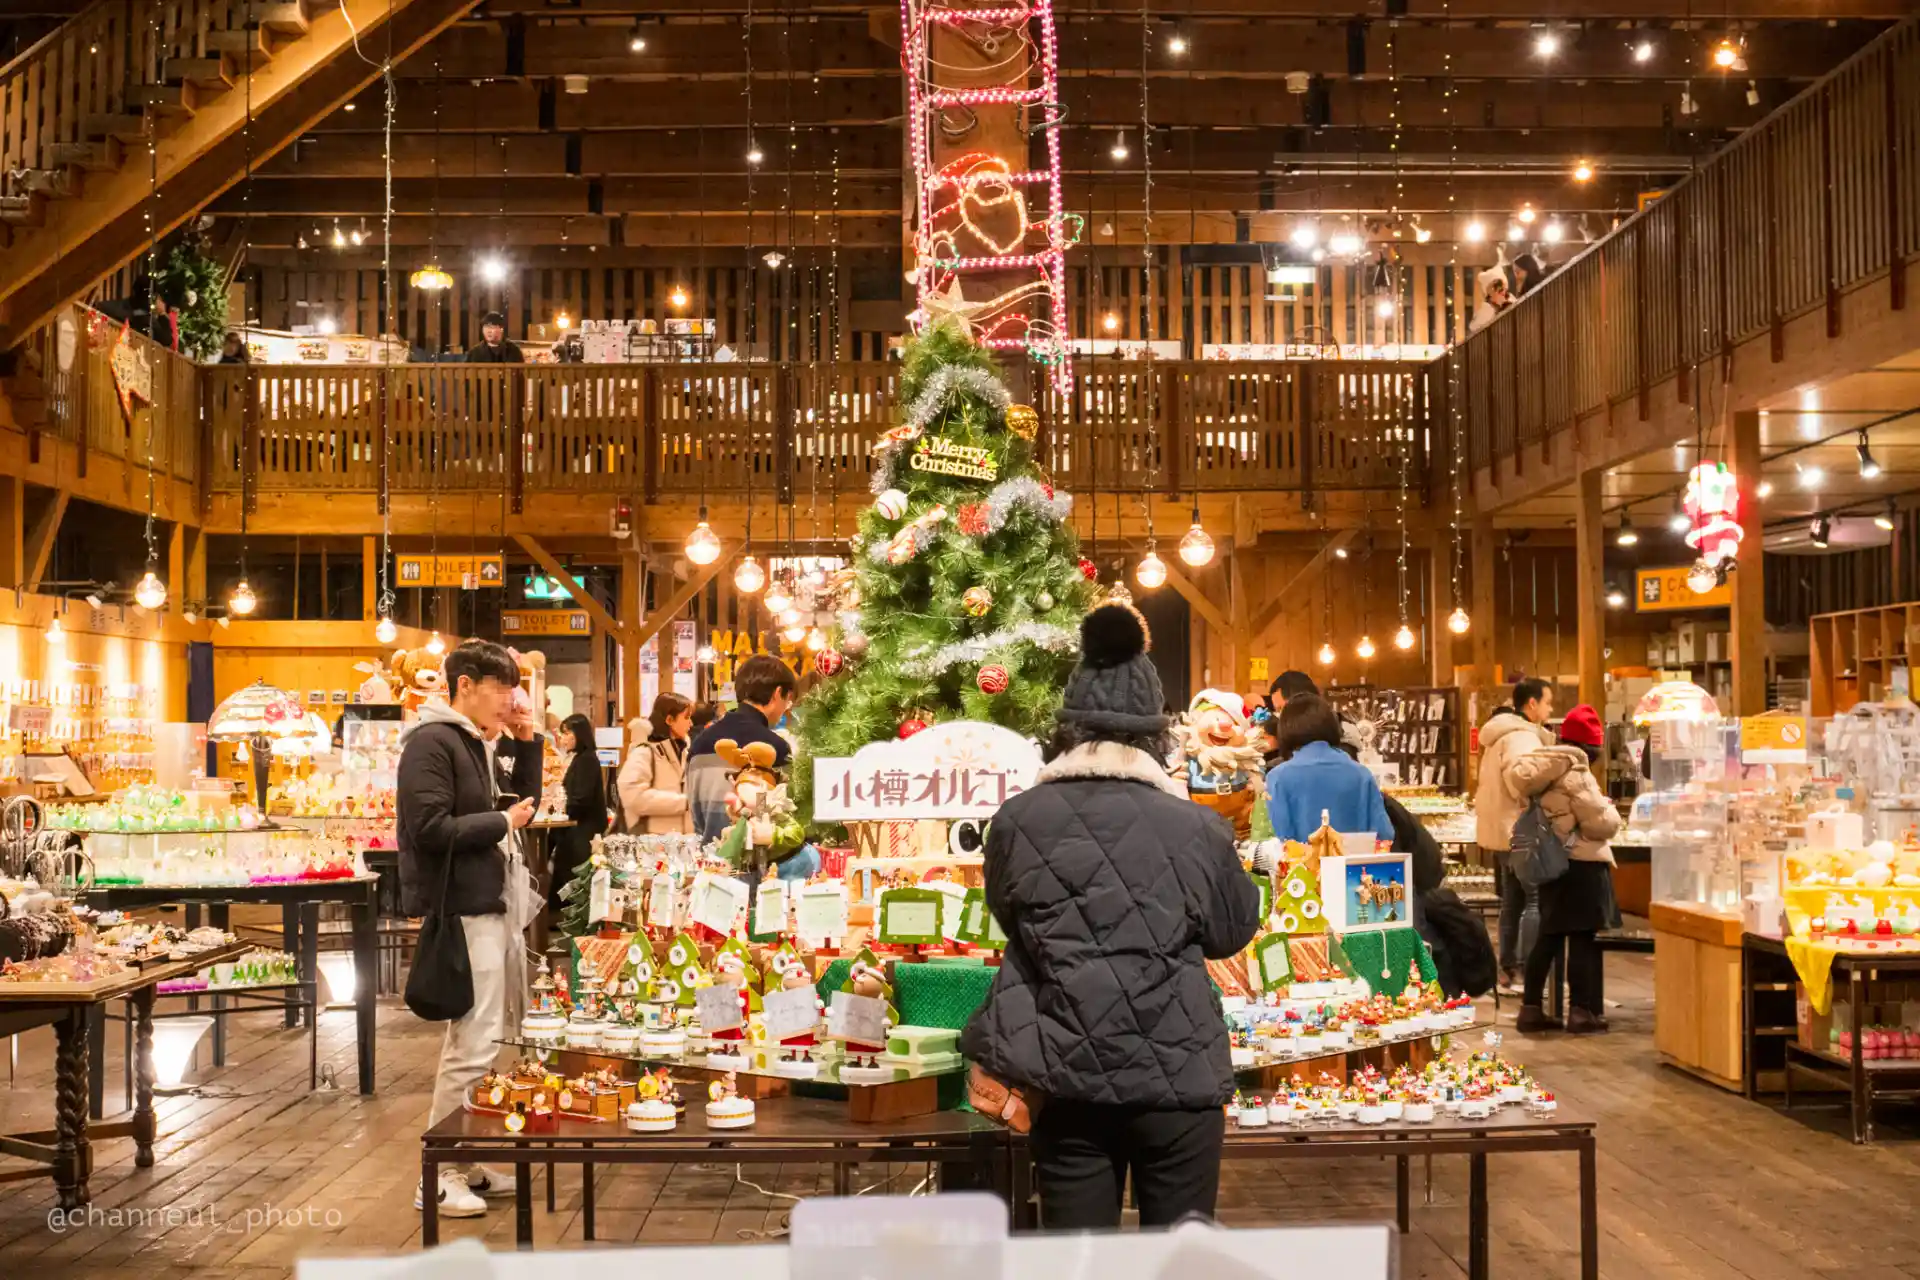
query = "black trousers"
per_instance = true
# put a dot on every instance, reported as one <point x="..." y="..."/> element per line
<point x="1586" y="970"/>
<point x="1083" y="1151"/>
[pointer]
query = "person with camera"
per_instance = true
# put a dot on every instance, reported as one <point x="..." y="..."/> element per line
<point x="456" y="832"/>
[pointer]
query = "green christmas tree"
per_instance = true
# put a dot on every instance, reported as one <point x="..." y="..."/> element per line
<point x="967" y="584"/>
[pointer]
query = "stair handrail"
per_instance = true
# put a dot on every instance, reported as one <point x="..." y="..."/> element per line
<point x="33" y="51"/>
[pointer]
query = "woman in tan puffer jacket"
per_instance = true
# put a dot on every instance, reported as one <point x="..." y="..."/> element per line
<point x="1580" y="903"/>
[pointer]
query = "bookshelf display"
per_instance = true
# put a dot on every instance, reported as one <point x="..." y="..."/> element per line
<point x="1416" y="728"/>
<point x="1861" y="655"/>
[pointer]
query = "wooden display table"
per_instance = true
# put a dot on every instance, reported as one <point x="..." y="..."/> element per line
<point x="67" y="1148"/>
<point x="1698" y="991"/>
<point x="785" y="1131"/>
<point x="1509" y="1131"/>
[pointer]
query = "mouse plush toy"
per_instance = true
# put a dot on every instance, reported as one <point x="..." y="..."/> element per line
<point x="765" y="828"/>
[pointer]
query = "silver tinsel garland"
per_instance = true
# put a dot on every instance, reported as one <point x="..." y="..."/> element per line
<point x="923" y="663"/>
<point x="941" y="386"/>
<point x="1028" y="492"/>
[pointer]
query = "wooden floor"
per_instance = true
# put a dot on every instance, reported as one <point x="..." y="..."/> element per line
<point x="1694" y="1183"/>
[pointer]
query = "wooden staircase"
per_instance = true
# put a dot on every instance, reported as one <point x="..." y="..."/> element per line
<point x="128" y="87"/>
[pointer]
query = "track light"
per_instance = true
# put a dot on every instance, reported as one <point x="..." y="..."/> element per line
<point x="1553" y="232"/>
<point x="1177" y="45"/>
<point x="1526" y="214"/>
<point x="1811" y="477"/>
<point x="1821" y="530"/>
<point x="1764" y="489"/>
<point x="1119" y="149"/>
<point x="1869" y="467"/>
<point x="1339" y="553"/>
<point x="1626" y="537"/>
<point x="1725" y="54"/>
<point x="1384" y="308"/>
<point x="636" y="40"/>
<point x="1679" y="521"/>
<point x="1885" y="519"/>
<point x="1515" y="233"/>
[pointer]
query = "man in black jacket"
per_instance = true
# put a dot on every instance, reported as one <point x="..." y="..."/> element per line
<point x="493" y="347"/>
<point x="765" y="686"/>
<point x="455" y="830"/>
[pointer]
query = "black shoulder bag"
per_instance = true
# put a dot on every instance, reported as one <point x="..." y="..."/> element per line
<point x="440" y="984"/>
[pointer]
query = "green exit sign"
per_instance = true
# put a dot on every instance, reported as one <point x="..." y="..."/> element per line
<point x="538" y="586"/>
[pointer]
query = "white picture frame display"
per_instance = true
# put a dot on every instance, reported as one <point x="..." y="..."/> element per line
<point x="1367" y="894"/>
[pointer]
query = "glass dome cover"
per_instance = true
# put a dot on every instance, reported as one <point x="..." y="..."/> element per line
<point x="259" y="710"/>
<point x="1676" y="700"/>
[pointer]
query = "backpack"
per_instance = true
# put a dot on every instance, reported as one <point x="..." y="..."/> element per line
<point x="1538" y="855"/>
<point x="1463" y="955"/>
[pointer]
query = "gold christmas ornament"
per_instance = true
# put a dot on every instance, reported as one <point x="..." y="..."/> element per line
<point x="978" y="602"/>
<point x="1023" y="420"/>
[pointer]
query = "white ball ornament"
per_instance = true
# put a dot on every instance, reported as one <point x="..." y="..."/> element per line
<point x="892" y="504"/>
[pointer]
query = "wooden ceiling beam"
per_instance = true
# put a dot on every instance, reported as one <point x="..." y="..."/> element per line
<point x="1423" y="11"/>
<point x="677" y="230"/>
<point x="466" y="155"/>
<point x="284" y="232"/>
<point x="450" y="197"/>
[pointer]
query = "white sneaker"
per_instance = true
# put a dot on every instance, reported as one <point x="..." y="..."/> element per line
<point x="490" y="1182"/>
<point x="456" y="1197"/>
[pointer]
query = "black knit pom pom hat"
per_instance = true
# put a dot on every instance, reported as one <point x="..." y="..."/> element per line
<point x="1115" y="689"/>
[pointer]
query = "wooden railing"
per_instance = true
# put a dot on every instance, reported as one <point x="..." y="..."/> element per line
<point x="98" y="64"/>
<point x="72" y="360"/>
<point x="656" y="430"/>
<point x="1818" y="199"/>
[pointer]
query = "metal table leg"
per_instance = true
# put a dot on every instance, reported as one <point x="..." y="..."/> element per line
<point x="522" y="1206"/>
<point x="1402" y="1192"/>
<point x="429" y="1200"/>
<point x="1589" y="1214"/>
<point x="1477" y="1217"/>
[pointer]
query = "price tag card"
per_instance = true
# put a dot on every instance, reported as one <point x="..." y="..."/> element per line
<point x="820" y="911"/>
<point x="790" y="1013"/>
<point x="1273" y="967"/>
<point x="910" y="917"/>
<point x="718" y="902"/>
<point x="719" y="1008"/>
<point x="770" y="907"/>
<point x="861" y="1019"/>
<point x="660" y="902"/>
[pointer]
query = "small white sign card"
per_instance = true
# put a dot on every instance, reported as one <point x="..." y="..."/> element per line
<point x="790" y="1013"/>
<point x="719" y="1008"/>
<point x="861" y="1019"/>
<point x="718" y="902"/>
<point x="820" y="912"/>
<point x="660" y="901"/>
<point x="770" y="907"/>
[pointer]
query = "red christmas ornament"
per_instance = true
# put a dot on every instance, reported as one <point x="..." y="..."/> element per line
<point x="993" y="679"/>
<point x="910" y="727"/>
<point x="828" y="662"/>
<point x="1089" y="570"/>
<point x="1048" y="490"/>
<point x="973" y="519"/>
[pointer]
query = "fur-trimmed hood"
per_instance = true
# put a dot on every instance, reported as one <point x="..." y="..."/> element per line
<point x="1114" y="760"/>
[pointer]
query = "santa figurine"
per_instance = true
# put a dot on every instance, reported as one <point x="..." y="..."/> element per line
<point x="730" y="970"/>
<point x="1220" y="759"/>
<point x="868" y="978"/>
<point x="796" y="1052"/>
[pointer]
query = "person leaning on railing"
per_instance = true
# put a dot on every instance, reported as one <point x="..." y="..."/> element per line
<point x="493" y="347"/>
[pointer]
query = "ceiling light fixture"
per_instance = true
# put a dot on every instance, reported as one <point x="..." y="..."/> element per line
<point x="1725" y="54"/>
<point x="1553" y="232"/>
<point x="1583" y="170"/>
<point x="1643" y="51"/>
<point x="1546" y="44"/>
<point x="1869" y="467"/>
<point x="1821" y="531"/>
<point x="1526" y="214"/>
<point x="1119" y="149"/>
<point x="1679" y="521"/>
<point x="636" y="40"/>
<point x="1764" y="489"/>
<point x="1627" y="537"/>
<point x="678" y="298"/>
<point x="1616" y="598"/>
<point x="1476" y="231"/>
<point x="493" y="270"/>
<point x="1885" y="519"/>
<point x="1177" y="45"/>
<point x="431" y="279"/>
<point x="1305" y="235"/>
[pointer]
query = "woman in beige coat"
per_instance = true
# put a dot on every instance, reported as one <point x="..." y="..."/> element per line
<point x="652" y="797"/>
<point x="1580" y="903"/>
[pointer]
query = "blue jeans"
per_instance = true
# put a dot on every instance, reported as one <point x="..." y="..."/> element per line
<point x="1519" y="919"/>
<point x="801" y="865"/>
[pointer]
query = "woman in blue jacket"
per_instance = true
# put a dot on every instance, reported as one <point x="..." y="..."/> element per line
<point x="1316" y="777"/>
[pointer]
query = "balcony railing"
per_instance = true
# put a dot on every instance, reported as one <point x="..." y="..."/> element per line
<point x="1820" y="198"/>
<point x="72" y="360"/>
<point x="666" y="430"/>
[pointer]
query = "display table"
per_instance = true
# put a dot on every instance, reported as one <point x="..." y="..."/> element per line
<point x="785" y="1131"/>
<point x="67" y="1148"/>
<point x="1865" y="1080"/>
<point x="1698" y="991"/>
<point x="300" y="904"/>
<point x="1509" y="1131"/>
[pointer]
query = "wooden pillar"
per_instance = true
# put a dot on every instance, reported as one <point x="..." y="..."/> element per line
<point x="195" y="583"/>
<point x="369" y="579"/>
<point x="633" y="570"/>
<point x="13" y="533"/>
<point x="1440" y="604"/>
<point x="180" y="597"/>
<point x="1590" y="585"/>
<point x="1749" y="622"/>
<point x="1485" y="669"/>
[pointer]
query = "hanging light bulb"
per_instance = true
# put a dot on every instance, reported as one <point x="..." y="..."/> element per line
<point x="1702" y="577"/>
<point x="1458" y="622"/>
<point x="816" y="639"/>
<point x="754" y="154"/>
<point x="705" y="654"/>
<point x="678" y="297"/>
<point x="56" y="634"/>
<point x="1111" y="322"/>
<point x="1626" y="537"/>
<point x="778" y="598"/>
<point x="384" y="631"/>
<point x="1526" y="214"/>
<point x="1476" y="231"/>
<point x="1151" y="572"/>
<point x="790" y="618"/>
<point x="748" y="576"/>
<point x="1365" y="648"/>
<point x="1196" y="547"/>
<point x="1583" y="170"/>
<point x="1616" y="598"/>
<point x="1725" y="54"/>
<point x="795" y="633"/>
<point x="151" y="593"/>
<point x="703" y="544"/>
<point x="435" y="645"/>
<point x="242" y="600"/>
<point x="1327" y="654"/>
<point x="1403" y="638"/>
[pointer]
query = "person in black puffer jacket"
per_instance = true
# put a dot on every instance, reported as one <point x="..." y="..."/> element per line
<point x="1114" y="890"/>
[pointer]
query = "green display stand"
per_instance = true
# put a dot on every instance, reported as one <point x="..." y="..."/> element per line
<point x="1402" y="948"/>
<point x="937" y="993"/>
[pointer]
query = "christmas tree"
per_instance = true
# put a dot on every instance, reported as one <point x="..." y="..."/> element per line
<point x="967" y="587"/>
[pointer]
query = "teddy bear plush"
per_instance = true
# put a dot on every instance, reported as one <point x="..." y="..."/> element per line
<point x="421" y="678"/>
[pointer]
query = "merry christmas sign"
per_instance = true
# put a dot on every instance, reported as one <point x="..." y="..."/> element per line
<point x="956" y="769"/>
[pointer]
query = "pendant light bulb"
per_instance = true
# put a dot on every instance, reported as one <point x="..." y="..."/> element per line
<point x="435" y="645"/>
<point x="242" y="601"/>
<point x="1702" y="577"/>
<point x="384" y="631"/>
<point x="795" y="633"/>
<point x="790" y="619"/>
<point x="1458" y="622"/>
<point x="705" y="653"/>
<point x="1151" y="572"/>
<point x="56" y="634"/>
<point x="1365" y="648"/>
<point x="816" y="640"/>
<point x="1327" y="654"/>
<point x="703" y="544"/>
<point x="1196" y="548"/>
<point x="748" y="576"/>
<point x="778" y="598"/>
<point x="1403" y="638"/>
<point x="151" y="593"/>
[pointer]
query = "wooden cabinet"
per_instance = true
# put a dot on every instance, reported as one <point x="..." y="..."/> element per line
<point x="1697" y="993"/>
<point x="1853" y="654"/>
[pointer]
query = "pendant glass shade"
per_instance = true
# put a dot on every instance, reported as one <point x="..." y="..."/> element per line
<point x="384" y="631"/>
<point x="748" y="576"/>
<point x="242" y="601"/>
<point x="1151" y="572"/>
<point x="1365" y="648"/>
<point x="151" y="593"/>
<point x="1196" y="548"/>
<point x="1326" y="655"/>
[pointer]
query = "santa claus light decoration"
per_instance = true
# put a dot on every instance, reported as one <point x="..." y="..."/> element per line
<point x="1713" y="505"/>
